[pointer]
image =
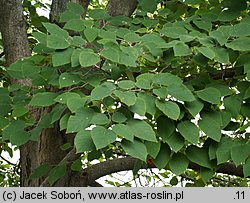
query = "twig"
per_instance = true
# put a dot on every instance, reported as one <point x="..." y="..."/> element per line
<point x="7" y="161"/>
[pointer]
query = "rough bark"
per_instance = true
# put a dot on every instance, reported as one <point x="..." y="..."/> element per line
<point x="16" y="46"/>
<point x="121" y="7"/>
<point x="13" y="28"/>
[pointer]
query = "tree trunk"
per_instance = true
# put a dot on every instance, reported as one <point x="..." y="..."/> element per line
<point x="16" y="46"/>
<point x="121" y="7"/>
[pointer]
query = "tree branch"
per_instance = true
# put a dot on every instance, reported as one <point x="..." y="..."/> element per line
<point x="99" y="170"/>
<point x="222" y="74"/>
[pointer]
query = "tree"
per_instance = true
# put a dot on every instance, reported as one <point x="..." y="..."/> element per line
<point x="131" y="85"/>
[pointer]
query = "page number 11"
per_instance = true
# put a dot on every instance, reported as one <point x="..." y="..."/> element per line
<point x="240" y="195"/>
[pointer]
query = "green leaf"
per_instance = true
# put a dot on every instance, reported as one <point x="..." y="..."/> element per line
<point x="224" y="90"/>
<point x="65" y="97"/>
<point x="149" y="101"/>
<point x="240" y="44"/>
<point x="135" y="149"/>
<point x="54" y="29"/>
<point x="67" y="79"/>
<point x="19" y="111"/>
<point x="102" y="91"/>
<point x="207" y="52"/>
<point x="98" y="14"/>
<point x="175" y="141"/>
<point x="166" y="79"/>
<point x="161" y="92"/>
<point x="170" y="109"/>
<point x="76" y="165"/>
<point x="102" y="137"/>
<point x="124" y="131"/>
<point x="43" y="99"/>
<point x="247" y="93"/>
<point x="163" y="157"/>
<point x="126" y="84"/>
<point x="223" y="152"/>
<point x="220" y="36"/>
<point x="173" y="32"/>
<point x="57" y="42"/>
<point x="148" y="5"/>
<point x="192" y="1"/>
<point x="5" y="102"/>
<point x="61" y="58"/>
<point x="181" y="92"/>
<point x="76" y="103"/>
<point x="239" y="153"/>
<point x="75" y="7"/>
<point x="83" y="142"/>
<point x="194" y="107"/>
<point x="142" y="129"/>
<point x="132" y="37"/>
<point x="80" y="121"/>
<point x="56" y="173"/>
<point x="99" y="119"/>
<point x="118" y="117"/>
<point x="153" y="148"/>
<point x="178" y="163"/>
<point x="40" y="171"/>
<point x="64" y="121"/>
<point x="15" y="132"/>
<point x="212" y="150"/>
<point x="23" y="69"/>
<point x="181" y="49"/>
<point x="245" y="110"/>
<point x="68" y="15"/>
<point x="128" y="98"/>
<point x="3" y="122"/>
<point x="91" y="34"/>
<point x="206" y="174"/>
<point x="210" y="126"/>
<point x="203" y="23"/>
<point x="35" y="133"/>
<point x="144" y="81"/>
<point x="77" y="25"/>
<point x="198" y="156"/>
<point x="111" y="54"/>
<point x="241" y="30"/>
<point x="75" y="58"/>
<point x="78" y="42"/>
<point x="143" y="84"/>
<point x="57" y="112"/>
<point x="222" y="55"/>
<point x="246" y="168"/>
<point x="165" y="127"/>
<point x="210" y="94"/>
<point x="88" y="58"/>
<point x="233" y="105"/>
<point x="139" y="107"/>
<point x="189" y="131"/>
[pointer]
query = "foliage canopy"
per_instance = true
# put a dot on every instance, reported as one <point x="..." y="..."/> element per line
<point x="171" y="84"/>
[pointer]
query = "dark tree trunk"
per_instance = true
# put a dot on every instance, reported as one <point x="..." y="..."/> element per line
<point x="16" y="46"/>
<point x="121" y="7"/>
